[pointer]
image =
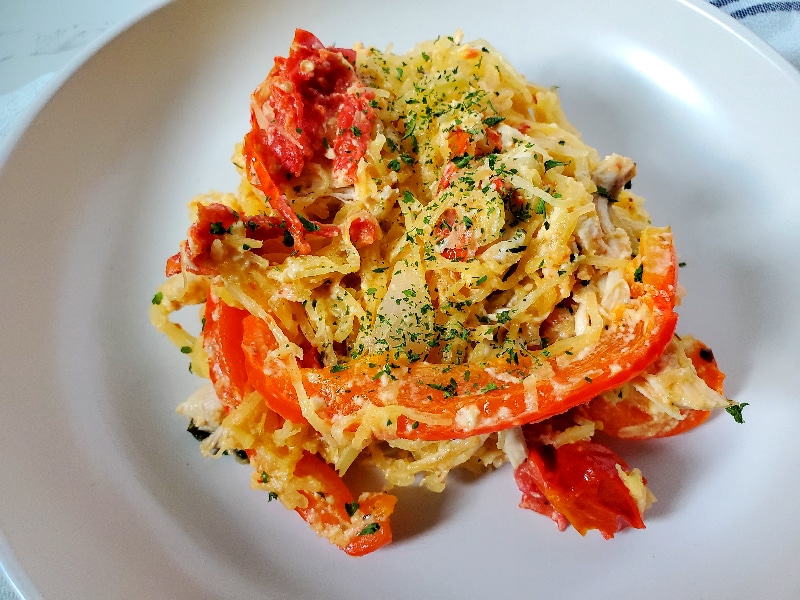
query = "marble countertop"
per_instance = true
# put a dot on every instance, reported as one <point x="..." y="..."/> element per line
<point x="38" y="37"/>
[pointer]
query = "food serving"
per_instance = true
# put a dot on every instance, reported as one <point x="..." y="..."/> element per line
<point x="425" y="268"/>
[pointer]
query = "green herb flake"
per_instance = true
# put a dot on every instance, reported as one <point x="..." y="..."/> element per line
<point x="356" y="131"/>
<point x="489" y="387"/>
<point x="735" y="410"/>
<point x="601" y="191"/>
<point x="492" y="121"/>
<point x="550" y="164"/>
<point x="481" y="279"/>
<point x="272" y="496"/>
<point x="462" y="161"/>
<point x="186" y="349"/>
<point x="351" y="508"/>
<point x="370" y="529"/>
<point x="308" y="225"/>
<point x="339" y="368"/>
<point x="157" y="298"/>
<point x="415" y="424"/>
<point x="264" y="477"/>
<point x="393" y="165"/>
<point x="449" y="390"/>
<point x="637" y="274"/>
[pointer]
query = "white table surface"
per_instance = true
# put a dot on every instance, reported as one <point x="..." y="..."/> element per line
<point x="40" y="38"/>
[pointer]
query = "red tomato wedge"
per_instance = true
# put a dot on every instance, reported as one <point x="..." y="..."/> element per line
<point x="270" y="378"/>
<point x="578" y="483"/>
<point x="222" y="342"/>
<point x="366" y="530"/>
<point x="628" y="418"/>
<point x="458" y="401"/>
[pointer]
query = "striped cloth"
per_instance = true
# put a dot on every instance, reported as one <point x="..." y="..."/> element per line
<point x="777" y="23"/>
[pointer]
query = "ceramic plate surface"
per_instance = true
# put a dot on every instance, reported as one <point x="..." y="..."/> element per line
<point x="103" y="494"/>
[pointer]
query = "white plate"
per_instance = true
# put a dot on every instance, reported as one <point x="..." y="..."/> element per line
<point x="102" y="493"/>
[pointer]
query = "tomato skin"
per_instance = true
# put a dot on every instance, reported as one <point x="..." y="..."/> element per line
<point x="306" y="92"/>
<point x="578" y="483"/>
<point x="270" y="379"/>
<point x="326" y="508"/>
<point x="365" y="230"/>
<point x="705" y="364"/>
<point x="222" y="342"/>
<point x="173" y="266"/>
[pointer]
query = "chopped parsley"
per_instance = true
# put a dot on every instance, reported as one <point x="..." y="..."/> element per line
<point x="186" y="349"/>
<point x="504" y="317"/>
<point x="264" y="477"/>
<point x="370" y="529"/>
<point x="339" y="368"/>
<point x="637" y="274"/>
<point x="351" y="508"/>
<point x="601" y="191"/>
<point x="492" y="121"/>
<point x="216" y="228"/>
<point x="307" y="225"/>
<point x="549" y="164"/>
<point x="449" y="390"/>
<point x="157" y="298"/>
<point x="735" y="410"/>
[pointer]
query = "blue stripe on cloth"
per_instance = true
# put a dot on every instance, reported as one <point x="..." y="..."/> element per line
<point x="766" y="7"/>
<point x="720" y="3"/>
